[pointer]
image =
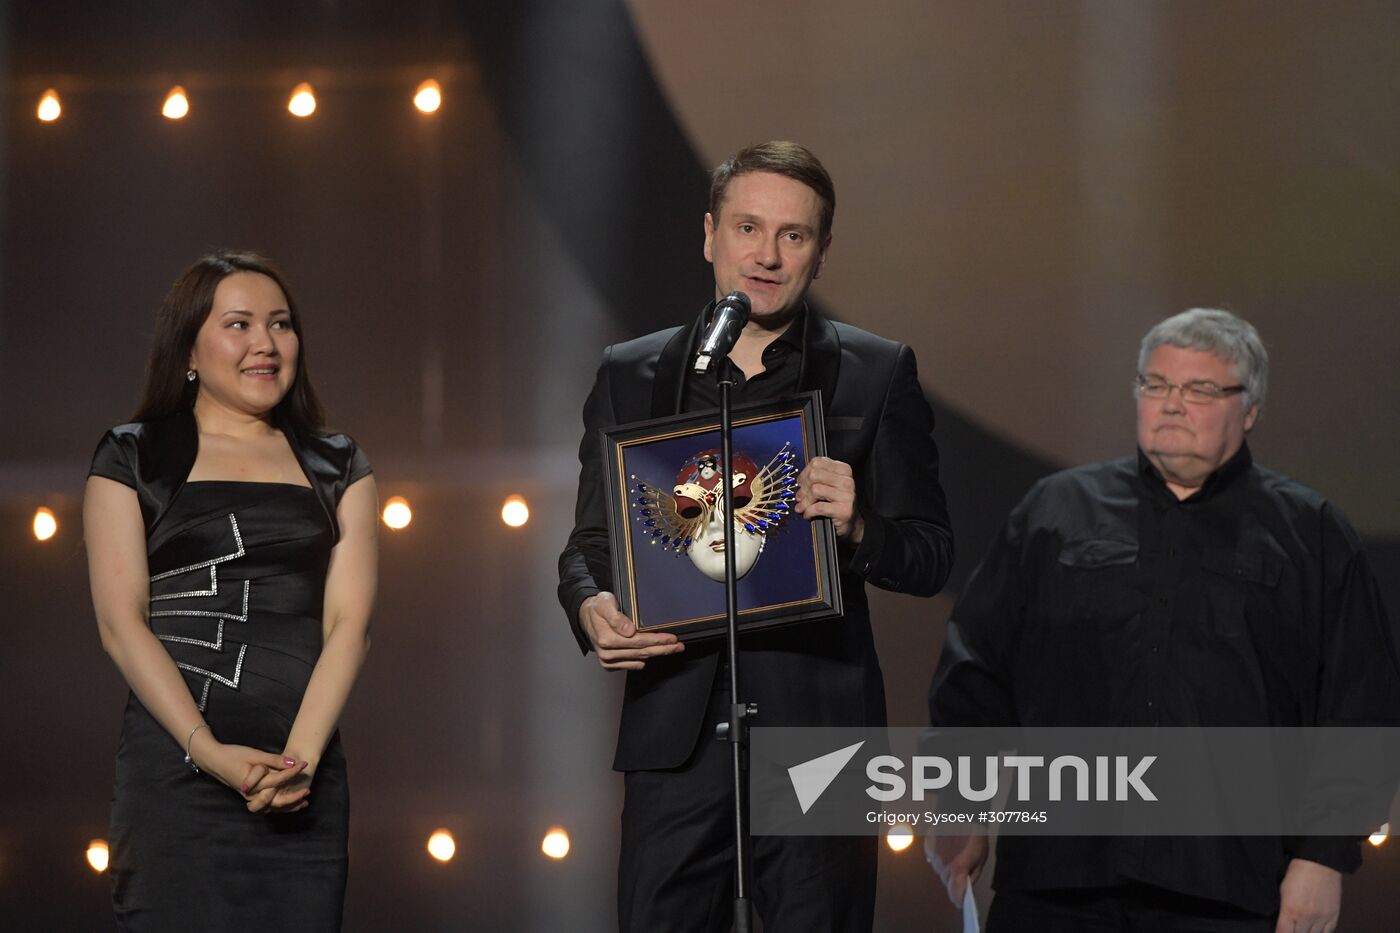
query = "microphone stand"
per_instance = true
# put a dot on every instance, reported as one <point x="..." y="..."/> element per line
<point x="735" y="730"/>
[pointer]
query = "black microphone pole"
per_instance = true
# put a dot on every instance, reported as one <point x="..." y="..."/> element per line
<point x="735" y="729"/>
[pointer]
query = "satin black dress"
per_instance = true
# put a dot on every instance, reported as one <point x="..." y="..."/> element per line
<point x="238" y="573"/>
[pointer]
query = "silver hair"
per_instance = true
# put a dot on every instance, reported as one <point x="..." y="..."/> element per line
<point x="1213" y="331"/>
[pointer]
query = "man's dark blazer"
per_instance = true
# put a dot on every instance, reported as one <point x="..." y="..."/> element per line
<point x="819" y="673"/>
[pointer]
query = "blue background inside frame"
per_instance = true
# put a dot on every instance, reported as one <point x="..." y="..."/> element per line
<point x="668" y="586"/>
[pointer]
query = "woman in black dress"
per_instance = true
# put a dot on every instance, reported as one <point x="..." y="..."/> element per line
<point x="231" y="551"/>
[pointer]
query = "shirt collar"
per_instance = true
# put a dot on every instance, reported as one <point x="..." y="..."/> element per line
<point x="1215" y="482"/>
<point x="794" y="338"/>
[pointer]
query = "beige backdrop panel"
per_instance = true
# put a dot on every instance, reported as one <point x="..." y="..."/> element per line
<point x="1024" y="188"/>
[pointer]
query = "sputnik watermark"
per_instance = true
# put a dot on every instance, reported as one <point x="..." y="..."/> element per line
<point x="810" y="779"/>
<point x="931" y="818"/>
<point x="1119" y="781"/>
<point x="934" y="773"/>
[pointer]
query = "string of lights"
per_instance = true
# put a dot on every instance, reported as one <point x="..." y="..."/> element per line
<point x="301" y="101"/>
<point x="174" y="94"/>
<point x="441" y="846"/>
<point x="556" y="844"/>
<point x="397" y="515"/>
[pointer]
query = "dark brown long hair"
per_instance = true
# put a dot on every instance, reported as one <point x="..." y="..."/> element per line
<point x="178" y="322"/>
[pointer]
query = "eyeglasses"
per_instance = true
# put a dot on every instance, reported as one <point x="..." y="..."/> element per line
<point x="1197" y="393"/>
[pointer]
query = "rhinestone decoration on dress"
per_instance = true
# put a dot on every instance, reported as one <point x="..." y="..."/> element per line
<point x="216" y="643"/>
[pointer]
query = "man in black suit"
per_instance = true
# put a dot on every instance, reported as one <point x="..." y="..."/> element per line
<point x="767" y="234"/>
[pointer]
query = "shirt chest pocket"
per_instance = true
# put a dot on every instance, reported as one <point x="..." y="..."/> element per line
<point x="1096" y="581"/>
<point x="1239" y="587"/>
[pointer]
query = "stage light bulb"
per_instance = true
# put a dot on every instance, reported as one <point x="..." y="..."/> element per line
<point x="555" y="843"/>
<point x="428" y="97"/>
<point x="177" y="104"/>
<point x="397" y="514"/>
<point x="303" y="101"/>
<point x="442" y="846"/>
<point x="97" y="855"/>
<point x="49" y="107"/>
<point x="900" y="837"/>
<point x="45" y="525"/>
<point x="515" y="512"/>
<point x="1380" y="835"/>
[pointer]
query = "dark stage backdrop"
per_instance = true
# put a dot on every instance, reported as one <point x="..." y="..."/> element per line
<point x="1023" y="190"/>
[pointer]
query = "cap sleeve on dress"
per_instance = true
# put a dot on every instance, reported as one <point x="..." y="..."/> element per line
<point x="359" y="464"/>
<point x="115" y="458"/>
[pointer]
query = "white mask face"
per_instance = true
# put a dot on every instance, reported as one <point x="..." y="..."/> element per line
<point x="706" y="551"/>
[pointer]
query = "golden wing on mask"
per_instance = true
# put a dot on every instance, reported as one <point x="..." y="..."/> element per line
<point x="773" y="490"/>
<point x="657" y="519"/>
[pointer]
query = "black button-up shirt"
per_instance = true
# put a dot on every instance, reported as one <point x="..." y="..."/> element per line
<point x="1107" y="601"/>
<point x="782" y="368"/>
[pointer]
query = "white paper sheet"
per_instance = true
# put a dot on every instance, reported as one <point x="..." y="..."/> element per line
<point x="970" y="922"/>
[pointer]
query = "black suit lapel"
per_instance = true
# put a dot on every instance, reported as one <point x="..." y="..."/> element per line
<point x="821" y="363"/>
<point x="668" y="388"/>
<point x="821" y="359"/>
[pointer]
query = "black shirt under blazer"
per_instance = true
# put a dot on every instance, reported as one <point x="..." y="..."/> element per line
<point x="821" y="673"/>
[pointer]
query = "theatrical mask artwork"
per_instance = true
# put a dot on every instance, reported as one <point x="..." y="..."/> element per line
<point x="690" y="519"/>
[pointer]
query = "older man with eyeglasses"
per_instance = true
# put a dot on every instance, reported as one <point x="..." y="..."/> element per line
<point x="1185" y="586"/>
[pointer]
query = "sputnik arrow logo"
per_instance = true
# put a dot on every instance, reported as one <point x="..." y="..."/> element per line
<point x="811" y="778"/>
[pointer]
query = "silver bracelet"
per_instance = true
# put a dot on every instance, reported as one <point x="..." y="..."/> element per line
<point x="188" y="760"/>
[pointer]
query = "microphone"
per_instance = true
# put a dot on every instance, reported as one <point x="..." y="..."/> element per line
<point x="731" y="314"/>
